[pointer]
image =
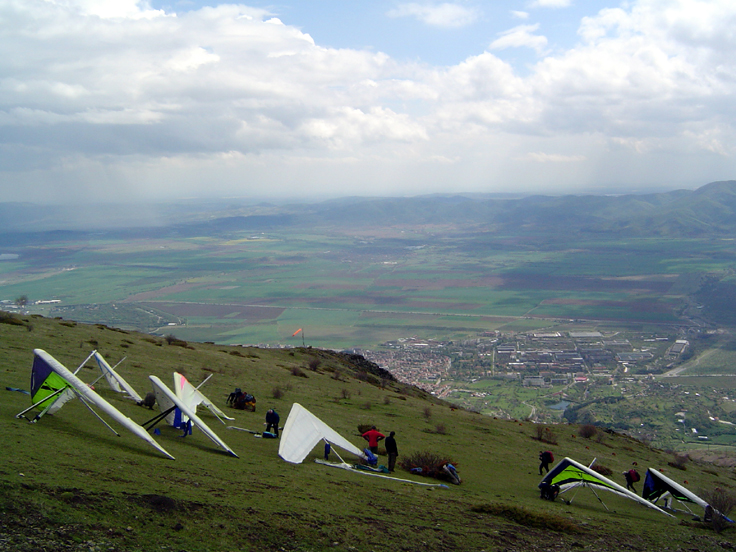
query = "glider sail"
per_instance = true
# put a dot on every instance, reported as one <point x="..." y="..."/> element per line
<point x="167" y="400"/>
<point x="116" y="381"/>
<point x="569" y="474"/>
<point x="303" y="431"/>
<point x="49" y="391"/>
<point x="657" y="485"/>
<point x="48" y="373"/>
<point x="193" y="397"/>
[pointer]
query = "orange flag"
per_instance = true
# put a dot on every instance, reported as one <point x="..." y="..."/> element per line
<point x="296" y="332"/>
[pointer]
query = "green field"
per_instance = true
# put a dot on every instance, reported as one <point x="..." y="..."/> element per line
<point x="359" y="290"/>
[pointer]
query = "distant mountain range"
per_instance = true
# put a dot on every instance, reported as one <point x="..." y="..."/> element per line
<point x="709" y="210"/>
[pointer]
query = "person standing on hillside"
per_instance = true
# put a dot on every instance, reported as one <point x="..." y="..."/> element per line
<point x="373" y="436"/>
<point x="631" y="476"/>
<point x="272" y="421"/>
<point x="545" y="459"/>
<point x="392" y="450"/>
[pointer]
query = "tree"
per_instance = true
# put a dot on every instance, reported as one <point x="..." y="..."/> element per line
<point x="21" y="302"/>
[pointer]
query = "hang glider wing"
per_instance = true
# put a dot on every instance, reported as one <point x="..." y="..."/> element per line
<point x="49" y="374"/>
<point x="193" y="397"/>
<point x="657" y="485"/>
<point x="303" y="431"/>
<point x="167" y="399"/>
<point x="49" y="391"/>
<point x="116" y="381"/>
<point x="569" y="474"/>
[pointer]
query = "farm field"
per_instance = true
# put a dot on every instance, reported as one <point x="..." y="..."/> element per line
<point x="358" y="290"/>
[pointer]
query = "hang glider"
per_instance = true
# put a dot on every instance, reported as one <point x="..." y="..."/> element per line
<point x="658" y="485"/>
<point x="569" y="474"/>
<point x="303" y="431"/>
<point x="168" y="402"/>
<point x="116" y="381"/>
<point x="193" y="397"/>
<point x="53" y="385"/>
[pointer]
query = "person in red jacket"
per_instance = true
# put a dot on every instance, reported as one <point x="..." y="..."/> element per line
<point x="373" y="436"/>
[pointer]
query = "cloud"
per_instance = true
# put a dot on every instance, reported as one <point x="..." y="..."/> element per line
<point x="520" y="14"/>
<point x="437" y="15"/>
<point x="550" y="3"/>
<point x="553" y="158"/>
<point x="103" y="100"/>
<point x="520" y="36"/>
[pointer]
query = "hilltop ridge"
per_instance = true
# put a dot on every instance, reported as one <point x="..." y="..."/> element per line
<point x="710" y="209"/>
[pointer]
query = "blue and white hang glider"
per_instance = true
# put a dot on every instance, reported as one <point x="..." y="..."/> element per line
<point x="53" y="385"/>
<point x="169" y="402"/>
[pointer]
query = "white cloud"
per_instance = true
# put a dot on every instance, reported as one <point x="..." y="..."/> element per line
<point x="541" y="157"/>
<point x="520" y="14"/>
<point x="95" y="98"/>
<point x="520" y="36"/>
<point x="550" y="3"/>
<point x="437" y="15"/>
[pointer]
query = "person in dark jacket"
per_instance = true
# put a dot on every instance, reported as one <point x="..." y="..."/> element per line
<point x="392" y="451"/>
<point x="544" y="460"/>
<point x="631" y="476"/>
<point x="272" y="421"/>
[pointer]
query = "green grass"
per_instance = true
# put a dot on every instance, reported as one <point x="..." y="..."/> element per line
<point x="68" y="481"/>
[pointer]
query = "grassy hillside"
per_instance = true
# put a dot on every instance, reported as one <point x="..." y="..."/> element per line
<point x="68" y="483"/>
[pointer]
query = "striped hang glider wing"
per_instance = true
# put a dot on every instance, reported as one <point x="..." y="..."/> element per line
<point x="52" y="383"/>
<point x="569" y="474"/>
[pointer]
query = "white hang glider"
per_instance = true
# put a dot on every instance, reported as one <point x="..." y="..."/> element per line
<point x="52" y="385"/>
<point x="168" y="402"/>
<point x="303" y="431"/>
<point x="569" y="474"/>
<point x="657" y="485"/>
<point x="115" y="380"/>
<point x="193" y="397"/>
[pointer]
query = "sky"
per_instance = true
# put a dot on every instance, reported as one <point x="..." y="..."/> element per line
<point x="126" y="101"/>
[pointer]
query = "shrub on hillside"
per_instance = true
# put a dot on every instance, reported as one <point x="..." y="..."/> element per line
<point x="362" y="428"/>
<point x="7" y="318"/>
<point x="601" y="469"/>
<point x="314" y="364"/>
<point x="587" y="431"/>
<point x="296" y="371"/>
<point x="722" y="502"/>
<point x="545" y="435"/>
<point x="277" y="392"/>
<point x="430" y="463"/>
<point x="679" y="461"/>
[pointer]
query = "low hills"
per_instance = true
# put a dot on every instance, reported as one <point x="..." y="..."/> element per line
<point x="708" y="210"/>
<point x="68" y="483"/>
